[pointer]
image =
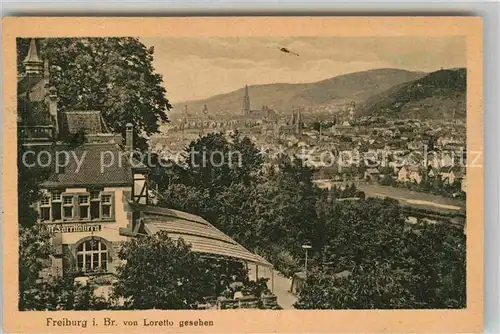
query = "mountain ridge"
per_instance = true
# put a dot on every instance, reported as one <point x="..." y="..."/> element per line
<point x="337" y="90"/>
<point x="439" y="94"/>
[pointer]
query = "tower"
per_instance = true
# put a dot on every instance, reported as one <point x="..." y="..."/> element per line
<point x="246" y="102"/>
<point x="351" y="110"/>
<point x="293" y="119"/>
<point x="33" y="65"/>
<point x="298" y="122"/>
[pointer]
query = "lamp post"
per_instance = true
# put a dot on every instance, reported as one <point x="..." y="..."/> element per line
<point x="306" y="247"/>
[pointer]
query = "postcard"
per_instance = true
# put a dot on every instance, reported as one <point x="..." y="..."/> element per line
<point x="242" y="174"/>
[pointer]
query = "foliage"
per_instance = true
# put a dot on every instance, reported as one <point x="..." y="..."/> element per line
<point x="440" y="85"/>
<point x="35" y="249"/>
<point x="161" y="273"/>
<point x="349" y="191"/>
<point x="113" y="75"/>
<point x="377" y="288"/>
<point x="256" y="288"/>
<point x="273" y="212"/>
<point x="61" y="293"/>
<point x="393" y="265"/>
<point x="431" y="185"/>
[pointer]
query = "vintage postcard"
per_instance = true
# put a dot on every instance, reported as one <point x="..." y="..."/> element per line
<point x="242" y="175"/>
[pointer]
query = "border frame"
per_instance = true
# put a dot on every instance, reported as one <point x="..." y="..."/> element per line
<point x="469" y="319"/>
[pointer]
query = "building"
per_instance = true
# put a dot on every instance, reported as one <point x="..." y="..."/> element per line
<point x="372" y="174"/>
<point x="450" y="175"/>
<point x="96" y="194"/>
<point x="409" y="174"/>
<point x="266" y="113"/>
<point x="463" y="186"/>
<point x="351" y="109"/>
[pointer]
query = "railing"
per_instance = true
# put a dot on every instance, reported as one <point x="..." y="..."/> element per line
<point x="45" y="132"/>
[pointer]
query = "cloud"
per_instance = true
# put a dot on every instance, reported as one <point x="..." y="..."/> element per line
<point x="195" y="68"/>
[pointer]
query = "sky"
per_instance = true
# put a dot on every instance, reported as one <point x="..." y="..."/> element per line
<point x="197" y="68"/>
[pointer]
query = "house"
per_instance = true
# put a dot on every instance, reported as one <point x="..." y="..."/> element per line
<point x="409" y="174"/>
<point x="372" y="174"/>
<point x="450" y="175"/>
<point x="415" y="145"/>
<point x="432" y="172"/>
<point x="96" y="195"/>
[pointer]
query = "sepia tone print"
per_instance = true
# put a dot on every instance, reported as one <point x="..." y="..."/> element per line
<point x="254" y="173"/>
<point x="271" y="174"/>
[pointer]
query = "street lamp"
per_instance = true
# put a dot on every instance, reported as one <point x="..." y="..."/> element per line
<point x="306" y="247"/>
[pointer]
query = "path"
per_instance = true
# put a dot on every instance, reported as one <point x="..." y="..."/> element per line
<point x="281" y="286"/>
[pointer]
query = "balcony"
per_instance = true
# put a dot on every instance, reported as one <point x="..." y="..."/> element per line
<point x="36" y="132"/>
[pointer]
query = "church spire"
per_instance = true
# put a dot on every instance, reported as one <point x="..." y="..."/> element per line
<point x="32" y="63"/>
<point x="246" y="102"/>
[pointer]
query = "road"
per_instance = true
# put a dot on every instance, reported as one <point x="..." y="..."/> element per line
<point x="280" y="287"/>
<point x="406" y="196"/>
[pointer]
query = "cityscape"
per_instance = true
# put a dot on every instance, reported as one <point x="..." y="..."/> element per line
<point x="139" y="191"/>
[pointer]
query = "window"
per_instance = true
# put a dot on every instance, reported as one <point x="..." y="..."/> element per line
<point x="45" y="208"/>
<point x="83" y="205"/>
<point x="92" y="255"/>
<point x="45" y="213"/>
<point x="70" y="206"/>
<point x="67" y="207"/>
<point x="56" y="210"/>
<point x="56" y="205"/>
<point x="56" y="196"/>
<point x="106" y="206"/>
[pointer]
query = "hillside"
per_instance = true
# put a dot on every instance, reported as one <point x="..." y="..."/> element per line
<point x="440" y="94"/>
<point x="282" y="97"/>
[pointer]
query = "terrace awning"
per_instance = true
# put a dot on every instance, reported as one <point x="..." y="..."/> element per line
<point x="196" y="231"/>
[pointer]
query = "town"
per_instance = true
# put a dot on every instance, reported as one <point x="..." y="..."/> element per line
<point x="325" y="199"/>
<point x="342" y="146"/>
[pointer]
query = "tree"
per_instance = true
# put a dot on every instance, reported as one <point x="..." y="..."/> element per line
<point x="35" y="249"/>
<point x="61" y="293"/>
<point x="377" y="288"/>
<point x="316" y="126"/>
<point x="393" y="265"/>
<point x="35" y="246"/>
<point x="217" y="173"/>
<point x="160" y="273"/>
<point x="113" y="75"/>
<point x="285" y="207"/>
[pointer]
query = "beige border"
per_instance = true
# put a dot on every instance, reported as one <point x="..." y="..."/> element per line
<point x="467" y="320"/>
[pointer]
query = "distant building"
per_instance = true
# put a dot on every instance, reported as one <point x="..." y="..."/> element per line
<point x="450" y="175"/>
<point x="294" y="126"/>
<point x="409" y="173"/>
<point x="351" y="109"/>
<point x="266" y="113"/>
<point x="372" y="174"/>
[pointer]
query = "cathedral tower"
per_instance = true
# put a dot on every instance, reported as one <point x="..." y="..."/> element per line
<point x="246" y="102"/>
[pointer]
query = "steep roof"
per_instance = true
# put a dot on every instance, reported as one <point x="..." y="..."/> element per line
<point x="372" y="171"/>
<point x="90" y="121"/>
<point x="96" y="164"/>
<point x="32" y="55"/>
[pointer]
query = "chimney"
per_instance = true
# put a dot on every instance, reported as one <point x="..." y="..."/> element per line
<point x="129" y="137"/>
<point x="52" y="103"/>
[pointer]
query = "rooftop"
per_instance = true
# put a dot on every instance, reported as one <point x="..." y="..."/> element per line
<point x="90" y="164"/>
<point x="196" y="231"/>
